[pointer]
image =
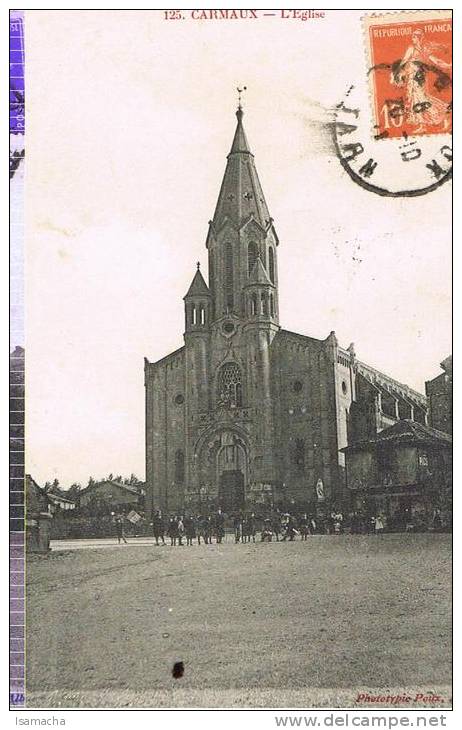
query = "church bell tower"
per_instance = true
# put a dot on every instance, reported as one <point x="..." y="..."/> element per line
<point x="241" y="234"/>
<point x="230" y="323"/>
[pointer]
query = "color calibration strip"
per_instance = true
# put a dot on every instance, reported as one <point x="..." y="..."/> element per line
<point x="17" y="472"/>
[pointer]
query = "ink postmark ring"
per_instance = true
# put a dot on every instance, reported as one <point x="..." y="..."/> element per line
<point x="392" y="131"/>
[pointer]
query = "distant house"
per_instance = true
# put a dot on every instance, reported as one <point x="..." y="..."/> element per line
<point x="38" y="517"/>
<point x="439" y="396"/>
<point x="58" y="502"/>
<point x="110" y="495"/>
<point x="404" y="471"/>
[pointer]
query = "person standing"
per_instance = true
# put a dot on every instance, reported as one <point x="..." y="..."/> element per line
<point x="237" y="524"/>
<point x="180" y="528"/>
<point x="379" y="524"/>
<point x="251" y="527"/>
<point x="303" y="526"/>
<point x="437" y="522"/>
<point x="292" y="528"/>
<point x="267" y="532"/>
<point x="208" y="530"/>
<point x="173" y="530"/>
<point x="276" y="525"/>
<point x="244" y="528"/>
<point x="288" y="528"/>
<point x="158" y="527"/>
<point x="354" y="523"/>
<point x="119" y="525"/>
<point x="219" y="526"/>
<point x="190" y="529"/>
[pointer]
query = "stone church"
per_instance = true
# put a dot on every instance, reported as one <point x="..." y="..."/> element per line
<point x="247" y="413"/>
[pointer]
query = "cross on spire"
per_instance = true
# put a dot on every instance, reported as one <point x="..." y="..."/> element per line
<point x="239" y="95"/>
<point x="198" y="264"/>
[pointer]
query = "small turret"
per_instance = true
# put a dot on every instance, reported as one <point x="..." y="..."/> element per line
<point x="260" y="294"/>
<point x="197" y="304"/>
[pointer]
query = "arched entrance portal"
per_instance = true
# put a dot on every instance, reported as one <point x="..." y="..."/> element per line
<point x="231" y="469"/>
<point x="231" y="491"/>
<point x="223" y="467"/>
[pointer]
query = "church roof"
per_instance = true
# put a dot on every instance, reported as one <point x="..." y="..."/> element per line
<point x="405" y="431"/>
<point x="241" y="196"/>
<point x="171" y="357"/>
<point x="258" y="274"/>
<point x="198" y="286"/>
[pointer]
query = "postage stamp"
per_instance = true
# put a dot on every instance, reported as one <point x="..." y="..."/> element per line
<point x="392" y="129"/>
<point x="410" y="69"/>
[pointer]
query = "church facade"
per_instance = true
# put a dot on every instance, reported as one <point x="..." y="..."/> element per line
<point x="247" y="413"/>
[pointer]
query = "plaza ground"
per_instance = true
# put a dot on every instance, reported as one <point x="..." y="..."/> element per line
<point x="297" y="624"/>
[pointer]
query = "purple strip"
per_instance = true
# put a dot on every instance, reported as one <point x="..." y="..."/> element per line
<point x="17" y="536"/>
<point x="17" y="632"/>
<point x="17" y="565"/>
<point x="17" y="645"/>
<point x="16" y="672"/>
<point x="17" y="90"/>
<point x="16" y="579"/>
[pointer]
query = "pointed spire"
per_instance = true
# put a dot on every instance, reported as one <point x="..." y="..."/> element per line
<point x="241" y="196"/>
<point x="258" y="274"/>
<point x="240" y="143"/>
<point x="198" y="286"/>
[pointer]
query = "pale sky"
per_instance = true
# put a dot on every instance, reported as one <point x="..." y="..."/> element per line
<point x="129" y="122"/>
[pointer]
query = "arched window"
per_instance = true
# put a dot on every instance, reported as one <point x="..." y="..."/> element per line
<point x="211" y="267"/>
<point x="298" y="453"/>
<point x="271" y="264"/>
<point x="264" y="303"/>
<point x="201" y="315"/>
<point x="230" y="385"/>
<point x="271" y="299"/>
<point x="252" y="253"/>
<point x="229" y="280"/>
<point x="253" y="305"/>
<point x="263" y="255"/>
<point x="239" y="395"/>
<point x="179" y="467"/>
<point x="193" y="314"/>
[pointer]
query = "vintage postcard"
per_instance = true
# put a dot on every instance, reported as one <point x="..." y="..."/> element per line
<point x="231" y="360"/>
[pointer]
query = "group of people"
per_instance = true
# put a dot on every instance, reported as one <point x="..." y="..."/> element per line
<point x="282" y="527"/>
<point x="188" y="528"/>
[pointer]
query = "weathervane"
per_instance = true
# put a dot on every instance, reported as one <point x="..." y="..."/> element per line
<point x="240" y="92"/>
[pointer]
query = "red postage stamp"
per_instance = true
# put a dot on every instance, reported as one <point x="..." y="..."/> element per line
<point x="410" y="72"/>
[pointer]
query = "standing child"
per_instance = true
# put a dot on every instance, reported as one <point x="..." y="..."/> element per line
<point x="379" y="524"/>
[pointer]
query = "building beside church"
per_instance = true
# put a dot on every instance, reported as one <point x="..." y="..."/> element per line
<point x="246" y="412"/>
<point x="404" y="471"/>
<point x="439" y="394"/>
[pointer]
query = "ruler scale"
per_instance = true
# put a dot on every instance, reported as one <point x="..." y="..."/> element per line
<point x="17" y="360"/>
